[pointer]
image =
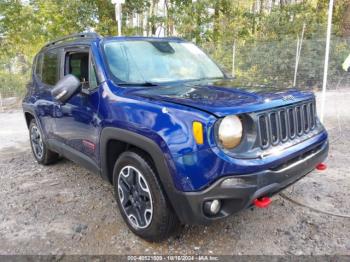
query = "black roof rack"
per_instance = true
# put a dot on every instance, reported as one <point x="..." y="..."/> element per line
<point x="73" y="36"/>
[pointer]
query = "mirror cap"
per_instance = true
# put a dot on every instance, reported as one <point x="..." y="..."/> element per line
<point x="65" y="88"/>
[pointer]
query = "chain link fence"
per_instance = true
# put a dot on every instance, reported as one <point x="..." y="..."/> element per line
<point x="273" y="63"/>
<point x="12" y="89"/>
<point x="270" y="63"/>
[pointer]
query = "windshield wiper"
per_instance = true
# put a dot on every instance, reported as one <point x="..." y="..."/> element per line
<point x="210" y="78"/>
<point x="137" y="84"/>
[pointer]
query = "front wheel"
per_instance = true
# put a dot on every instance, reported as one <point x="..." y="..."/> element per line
<point x="140" y="198"/>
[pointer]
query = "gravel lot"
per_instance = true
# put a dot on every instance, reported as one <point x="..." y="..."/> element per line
<point x="64" y="209"/>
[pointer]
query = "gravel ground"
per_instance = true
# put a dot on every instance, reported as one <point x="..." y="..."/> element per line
<point x="64" y="209"/>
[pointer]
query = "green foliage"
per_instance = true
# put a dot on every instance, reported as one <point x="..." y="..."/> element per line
<point x="265" y="36"/>
<point x="26" y="27"/>
<point x="12" y="84"/>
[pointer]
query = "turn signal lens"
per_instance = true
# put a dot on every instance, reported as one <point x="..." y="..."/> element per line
<point x="197" y="129"/>
<point x="232" y="182"/>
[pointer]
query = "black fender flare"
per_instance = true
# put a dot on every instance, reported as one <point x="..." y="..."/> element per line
<point x="31" y="110"/>
<point x="137" y="140"/>
<point x="176" y="198"/>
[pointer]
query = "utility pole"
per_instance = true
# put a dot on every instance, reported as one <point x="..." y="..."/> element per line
<point x="118" y="14"/>
<point x="325" y="73"/>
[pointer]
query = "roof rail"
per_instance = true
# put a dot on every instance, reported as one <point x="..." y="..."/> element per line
<point x="73" y="36"/>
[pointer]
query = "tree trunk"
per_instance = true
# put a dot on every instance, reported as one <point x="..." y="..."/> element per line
<point x="153" y="9"/>
<point x="345" y="24"/>
<point x="198" y="24"/>
<point x="216" y="21"/>
<point x="253" y="14"/>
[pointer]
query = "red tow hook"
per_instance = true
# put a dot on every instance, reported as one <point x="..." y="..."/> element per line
<point x="321" y="166"/>
<point x="262" y="202"/>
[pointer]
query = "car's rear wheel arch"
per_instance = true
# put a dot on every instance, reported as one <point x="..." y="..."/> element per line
<point x="28" y="117"/>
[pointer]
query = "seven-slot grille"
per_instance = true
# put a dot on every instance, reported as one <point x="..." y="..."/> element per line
<point x="286" y="123"/>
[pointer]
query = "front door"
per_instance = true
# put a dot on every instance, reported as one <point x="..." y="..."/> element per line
<point x="76" y="121"/>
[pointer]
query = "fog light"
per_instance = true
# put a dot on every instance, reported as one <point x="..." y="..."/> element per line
<point x="212" y="207"/>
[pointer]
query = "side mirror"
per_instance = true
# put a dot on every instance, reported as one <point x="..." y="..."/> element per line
<point x="66" y="88"/>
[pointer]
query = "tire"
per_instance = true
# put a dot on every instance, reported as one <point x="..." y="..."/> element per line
<point x="140" y="198"/>
<point x="40" y="151"/>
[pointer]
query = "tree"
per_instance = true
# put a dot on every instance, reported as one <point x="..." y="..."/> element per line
<point x="215" y="25"/>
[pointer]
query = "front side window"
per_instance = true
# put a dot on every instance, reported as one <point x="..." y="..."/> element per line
<point x="50" y="67"/>
<point x="158" y="61"/>
<point x="93" y="83"/>
<point x="79" y="64"/>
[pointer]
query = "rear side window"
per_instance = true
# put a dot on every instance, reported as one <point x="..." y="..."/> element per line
<point x="50" y="67"/>
<point x="39" y="65"/>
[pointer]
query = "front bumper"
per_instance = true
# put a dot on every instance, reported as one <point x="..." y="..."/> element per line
<point x="240" y="196"/>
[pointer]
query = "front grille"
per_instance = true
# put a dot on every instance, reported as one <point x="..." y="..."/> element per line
<point x="286" y="123"/>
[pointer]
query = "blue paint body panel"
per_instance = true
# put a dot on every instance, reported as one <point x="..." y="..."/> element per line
<point x="165" y="115"/>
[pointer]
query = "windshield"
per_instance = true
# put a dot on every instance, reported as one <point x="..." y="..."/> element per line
<point x="158" y="61"/>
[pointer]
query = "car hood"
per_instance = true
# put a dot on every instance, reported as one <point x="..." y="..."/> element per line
<point x="222" y="98"/>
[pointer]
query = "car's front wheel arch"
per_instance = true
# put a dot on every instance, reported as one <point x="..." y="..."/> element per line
<point x="154" y="154"/>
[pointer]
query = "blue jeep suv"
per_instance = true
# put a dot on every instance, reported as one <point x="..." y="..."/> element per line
<point x="181" y="142"/>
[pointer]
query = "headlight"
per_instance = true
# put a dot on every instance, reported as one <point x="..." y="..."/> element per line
<point x="230" y="132"/>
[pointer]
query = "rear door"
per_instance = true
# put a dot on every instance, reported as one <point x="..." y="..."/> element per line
<point x="46" y="75"/>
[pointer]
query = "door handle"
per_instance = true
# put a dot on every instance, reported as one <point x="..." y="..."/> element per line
<point x="94" y="121"/>
<point x="57" y="110"/>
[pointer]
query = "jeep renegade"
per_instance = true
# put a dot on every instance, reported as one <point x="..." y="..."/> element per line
<point x="181" y="142"/>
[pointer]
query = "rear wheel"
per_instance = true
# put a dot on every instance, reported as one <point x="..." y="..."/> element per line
<point x="140" y="198"/>
<point x="40" y="151"/>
